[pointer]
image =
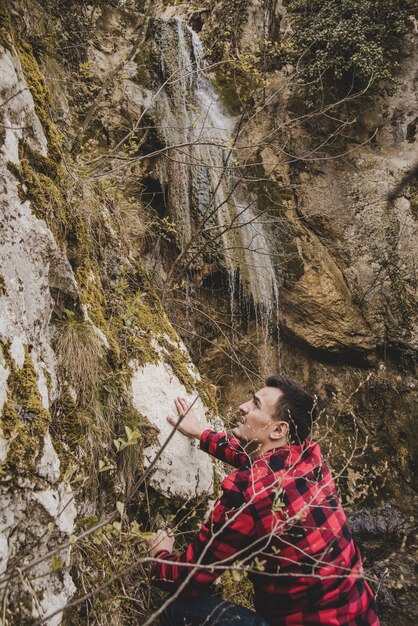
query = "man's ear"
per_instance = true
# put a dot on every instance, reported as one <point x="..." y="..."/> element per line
<point x="281" y="431"/>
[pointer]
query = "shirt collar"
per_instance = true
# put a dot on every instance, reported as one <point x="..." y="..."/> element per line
<point x="289" y="455"/>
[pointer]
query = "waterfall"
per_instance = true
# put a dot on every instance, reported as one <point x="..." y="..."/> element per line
<point x="199" y="174"/>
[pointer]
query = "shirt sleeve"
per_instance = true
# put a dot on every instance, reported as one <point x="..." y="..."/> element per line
<point x="223" y="447"/>
<point x="226" y="537"/>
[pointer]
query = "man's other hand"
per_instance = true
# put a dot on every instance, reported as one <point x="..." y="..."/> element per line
<point x="162" y="540"/>
<point x="190" y="423"/>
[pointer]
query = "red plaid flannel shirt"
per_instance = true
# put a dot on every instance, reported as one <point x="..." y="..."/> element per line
<point x="281" y="516"/>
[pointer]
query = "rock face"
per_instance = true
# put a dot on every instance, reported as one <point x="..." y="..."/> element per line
<point x="26" y="251"/>
<point x="321" y="298"/>
<point x="348" y="300"/>
<point x="37" y="504"/>
<point x="26" y="303"/>
<point x="355" y="285"/>
<point x="182" y="470"/>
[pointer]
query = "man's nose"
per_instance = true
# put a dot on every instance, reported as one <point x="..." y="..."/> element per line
<point x="243" y="408"/>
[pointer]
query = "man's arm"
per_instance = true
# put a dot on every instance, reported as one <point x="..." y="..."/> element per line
<point x="220" y="445"/>
<point x="223" y="447"/>
<point x="226" y="536"/>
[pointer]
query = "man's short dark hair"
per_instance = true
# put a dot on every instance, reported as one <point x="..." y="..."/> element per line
<point x="296" y="407"/>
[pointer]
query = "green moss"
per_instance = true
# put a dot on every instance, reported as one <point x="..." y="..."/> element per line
<point x="136" y="319"/>
<point x="238" y="590"/>
<point x="68" y="424"/>
<point x="87" y="522"/>
<point x="11" y="36"/>
<point x="91" y="294"/>
<point x="41" y="182"/>
<point x="152" y="318"/>
<point x="146" y="315"/>
<point x="40" y="163"/>
<point x="144" y="62"/>
<point x="179" y="363"/>
<point x="139" y="323"/>
<point x="413" y="198"/>
<point x="24" y="420"/>
<point x="41" y="97"/>
<point x="6" y="28"/>
<point x="132" y="333"/>
<point x="228" y="87"/>
<point x="47" y="201"/>
<point x="207" y="392"/>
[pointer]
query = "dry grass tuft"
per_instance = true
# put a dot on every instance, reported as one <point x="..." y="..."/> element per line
<point x="81" y="356"/>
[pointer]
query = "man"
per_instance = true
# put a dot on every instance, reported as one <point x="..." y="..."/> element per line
<point x="278" y="517"/>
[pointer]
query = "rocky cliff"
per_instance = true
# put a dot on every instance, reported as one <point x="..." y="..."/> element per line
<point x="179" y="215"/>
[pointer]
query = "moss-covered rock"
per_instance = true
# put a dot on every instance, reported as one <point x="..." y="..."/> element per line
<point x="41" y="97"/>
<point x="38" y="178"/>
<point x="24" y="421"/>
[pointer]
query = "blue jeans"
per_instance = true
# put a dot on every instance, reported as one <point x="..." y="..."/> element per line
<point x="207" y="610"/>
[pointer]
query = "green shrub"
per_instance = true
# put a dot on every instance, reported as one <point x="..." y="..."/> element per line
<point x="344" y="47"/>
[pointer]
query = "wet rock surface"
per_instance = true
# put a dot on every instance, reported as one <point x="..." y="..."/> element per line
<point x="384" y="523"/>
<point x="387" y="537"/>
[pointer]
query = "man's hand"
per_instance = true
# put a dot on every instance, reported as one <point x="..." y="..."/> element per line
<point x="189" y="424"/>
<point x="162" y="540"/>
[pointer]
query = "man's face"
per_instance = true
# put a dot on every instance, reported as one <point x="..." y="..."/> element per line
<point x="256" y="423"/>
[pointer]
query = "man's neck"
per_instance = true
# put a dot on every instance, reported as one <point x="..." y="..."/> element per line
<point x="256" y="450"/>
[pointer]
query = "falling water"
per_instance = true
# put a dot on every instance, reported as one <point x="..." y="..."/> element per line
<point x="202" y="188"/>
<point x="232" y="280"/>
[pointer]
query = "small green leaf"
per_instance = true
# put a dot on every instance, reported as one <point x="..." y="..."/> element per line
<point x="120" y="507"/>
<point x="56" y="563"/>
<point x="105" y="466"/>
<point x="277" y="505"/>
<point x="135" y="530"/>
<point x="259" y="564"/>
